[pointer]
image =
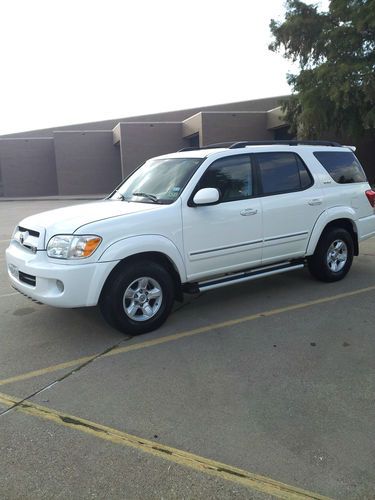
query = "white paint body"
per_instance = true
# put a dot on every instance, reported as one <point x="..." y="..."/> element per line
<point x="200" y="241"/>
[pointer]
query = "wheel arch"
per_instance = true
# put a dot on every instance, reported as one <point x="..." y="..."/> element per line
<point x="329" y="221"/>
<point x="149" y="256"/>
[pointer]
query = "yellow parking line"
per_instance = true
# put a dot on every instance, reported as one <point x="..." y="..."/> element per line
<point x="188" y="333"/>
<point x="190" y="460"/>
<point x="49" y="369"/>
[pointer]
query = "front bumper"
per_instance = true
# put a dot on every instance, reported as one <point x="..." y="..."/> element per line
<point x="56" y="284"/>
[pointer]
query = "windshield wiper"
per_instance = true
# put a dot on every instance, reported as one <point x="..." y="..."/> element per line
<point x="151" y="197"/>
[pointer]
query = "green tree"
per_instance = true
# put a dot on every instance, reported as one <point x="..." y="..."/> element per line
<point x="335" y="50"/>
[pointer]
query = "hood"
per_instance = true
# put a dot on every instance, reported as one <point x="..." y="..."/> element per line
<point x="68" y="219"/>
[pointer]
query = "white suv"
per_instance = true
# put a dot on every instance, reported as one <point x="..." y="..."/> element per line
<point x="196" y="220"/>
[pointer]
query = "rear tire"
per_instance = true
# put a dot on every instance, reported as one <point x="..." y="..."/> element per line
<point x="138" y="297"/>
<point x="333" y="256"/>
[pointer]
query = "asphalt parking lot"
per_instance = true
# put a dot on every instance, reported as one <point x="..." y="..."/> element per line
<point x="260" y="390"/>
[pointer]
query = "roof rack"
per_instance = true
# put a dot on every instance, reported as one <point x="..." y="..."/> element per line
<point x="242" y="144"/>
<point x="209" y="146"/>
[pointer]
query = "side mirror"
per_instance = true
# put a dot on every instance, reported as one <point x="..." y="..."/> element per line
<point x="206" y="196"/>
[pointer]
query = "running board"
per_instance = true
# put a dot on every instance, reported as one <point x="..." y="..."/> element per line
<point x="248" y="276"/>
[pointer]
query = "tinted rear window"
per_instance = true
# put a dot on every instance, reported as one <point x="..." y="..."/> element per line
<point x="342" y="166"/>
<point x="282" y="172"/>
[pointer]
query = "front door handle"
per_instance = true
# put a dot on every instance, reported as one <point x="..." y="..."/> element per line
<point x="249" y="211"/>
<point x="315" y="201"/>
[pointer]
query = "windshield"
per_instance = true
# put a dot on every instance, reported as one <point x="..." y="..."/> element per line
<point x="157" y="181"/>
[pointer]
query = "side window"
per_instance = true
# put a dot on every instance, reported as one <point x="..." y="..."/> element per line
<point x="281" y="172"/>
<point x="343" y="167"/>
<point x="304" y="174"/>
<point x="232" y="176"/>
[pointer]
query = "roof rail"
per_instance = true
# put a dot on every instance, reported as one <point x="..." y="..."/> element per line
<point x="242" y="144"/>
<point x="227" y="144"/>
<point x="209" y="146"/>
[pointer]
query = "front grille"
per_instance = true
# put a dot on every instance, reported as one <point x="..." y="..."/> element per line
<point x="30" y="231"/>
<point x="27" y="278"/>
<point x="27" y="238"/>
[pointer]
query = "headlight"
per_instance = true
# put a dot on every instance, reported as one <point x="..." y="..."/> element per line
<point x="66" y="246"/>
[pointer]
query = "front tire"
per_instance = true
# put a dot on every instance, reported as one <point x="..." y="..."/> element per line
<point x="333" y="256"/>
<point x="138" y="297"/>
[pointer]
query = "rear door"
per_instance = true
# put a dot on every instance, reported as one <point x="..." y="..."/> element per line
<point x="291" y="204"/>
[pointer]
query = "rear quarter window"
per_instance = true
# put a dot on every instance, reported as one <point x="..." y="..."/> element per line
<point x="342" y="166"/>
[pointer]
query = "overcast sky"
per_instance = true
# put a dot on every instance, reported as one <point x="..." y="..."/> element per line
<point x="73" y="61"/>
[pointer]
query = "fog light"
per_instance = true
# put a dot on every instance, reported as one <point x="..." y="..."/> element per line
<point x="60" y="286"/>
<point x="13" y="270"/>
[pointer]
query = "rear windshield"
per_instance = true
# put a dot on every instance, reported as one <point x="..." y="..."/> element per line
<point x="342" y="166"/>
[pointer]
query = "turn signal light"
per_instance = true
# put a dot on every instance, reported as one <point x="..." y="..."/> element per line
<point x="371" y="197"/>
<point x="90" y="246"/>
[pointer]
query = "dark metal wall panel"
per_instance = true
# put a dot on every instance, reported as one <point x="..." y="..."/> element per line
<point x="366" y="155"/>
<point x="222" y="127"/>
<point x="28" y="167"/>
<point x="87" y="162"/>
<point x="140" y="141"/>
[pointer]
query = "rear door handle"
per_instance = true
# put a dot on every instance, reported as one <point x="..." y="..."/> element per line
<point x="249" y="211"/>
<point x="315" y="201"/>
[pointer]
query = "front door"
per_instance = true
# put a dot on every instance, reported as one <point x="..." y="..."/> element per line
<point x="227" y="236"/>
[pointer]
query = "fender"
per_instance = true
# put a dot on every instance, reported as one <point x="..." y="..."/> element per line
<point x="325" y="218"/>
<point x="132" y="245"/>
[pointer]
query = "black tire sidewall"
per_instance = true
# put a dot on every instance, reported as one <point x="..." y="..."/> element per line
<point x="112" y="299"/>
<point x="319" y="265"/>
